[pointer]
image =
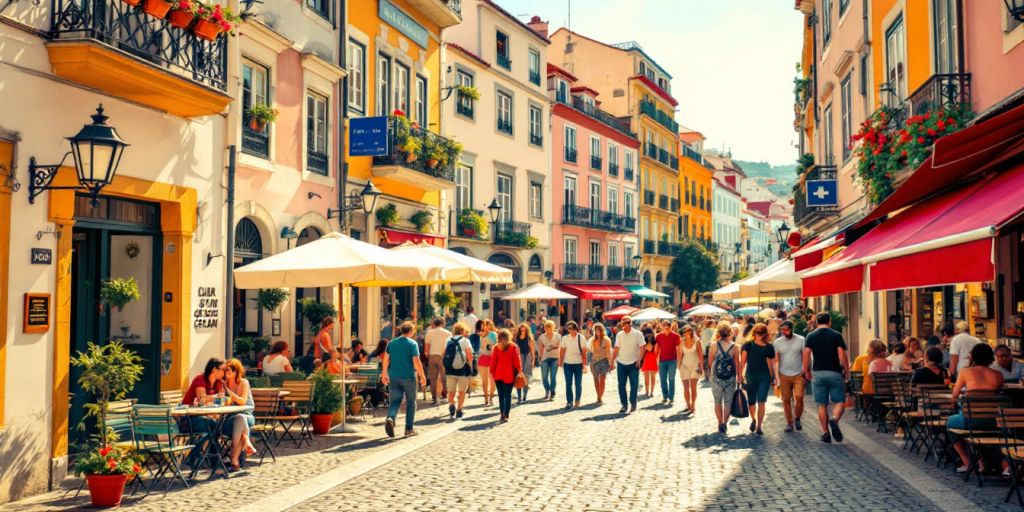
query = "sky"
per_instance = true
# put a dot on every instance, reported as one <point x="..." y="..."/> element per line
<point x="732" y="61"/>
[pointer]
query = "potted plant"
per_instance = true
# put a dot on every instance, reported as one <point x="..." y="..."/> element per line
<point x="326" y="401"/>
<point x="211" y="21"/>
<point x="445" y="299"/>
<point x="156" y="8"/>
<point x="119" y="291"/>
<point x="468" y="91"/>
<point x="531" y="242"/>
<point x="182" y="13"/>
<point x="424" y="221"/>
<point x="411" y="147"/>
<point x="315" y="312"/>
<point x="246" y="348"/>
<point x="387" y="215"/>
<point x="109" y="372"/>
<point x="430" y="152"/>
<point x="259" y="115"/>
<point x="472" y="224"/>
<point x="269" y="299"/>
<point x="453" y="149"/>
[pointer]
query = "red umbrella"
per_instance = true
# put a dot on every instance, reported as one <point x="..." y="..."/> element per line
<point x="619" y="312"/>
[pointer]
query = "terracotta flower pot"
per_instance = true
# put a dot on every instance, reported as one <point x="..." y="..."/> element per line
<point x="410" y="158"/>
<point x="257" y="124"/>
<point x="106" y="490"/>
<point x="207" y="30"/>
<point x="157" y="8"/>
<point x="181" y="19"/>
<point x="132" y="2"/>
<point x="321" y="423"/>
<point x="431" y="162"/>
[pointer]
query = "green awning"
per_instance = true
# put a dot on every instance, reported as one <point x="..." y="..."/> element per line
<point x="645" y="292"/>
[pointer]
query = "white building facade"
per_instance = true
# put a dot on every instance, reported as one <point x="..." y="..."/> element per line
<point x="726" y="231"/>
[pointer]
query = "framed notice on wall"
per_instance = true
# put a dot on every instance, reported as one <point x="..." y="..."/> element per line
<point x="37" y="313"/>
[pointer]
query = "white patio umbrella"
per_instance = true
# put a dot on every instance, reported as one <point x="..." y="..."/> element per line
<point x="727" y="292"/>
<point x="778" y="277"/>
<point x="651" y="314"/>
<point x="538" y="292"/>
<point x="460" y="267"/>
<point x="705" y="310"/>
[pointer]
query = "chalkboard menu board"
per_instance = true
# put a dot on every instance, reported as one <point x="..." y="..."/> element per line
<point x="37" y="313"/>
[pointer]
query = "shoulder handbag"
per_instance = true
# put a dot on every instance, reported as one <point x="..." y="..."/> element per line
<point x="739" y="408"/>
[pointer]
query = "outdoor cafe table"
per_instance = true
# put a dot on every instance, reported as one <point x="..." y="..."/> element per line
<point x="344" y="397"/>
<point x="218" y="414"/>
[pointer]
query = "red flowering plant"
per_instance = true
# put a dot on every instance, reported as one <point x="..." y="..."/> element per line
<point x="887" y="147"/>
<point x="107" y="460"/>
<point x="222" y="16"/>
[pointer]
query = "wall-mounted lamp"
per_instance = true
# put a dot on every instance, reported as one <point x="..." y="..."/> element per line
<point x="210" y="257"/>
<point x="288" y="233"/>
<point x="311" y="195"/>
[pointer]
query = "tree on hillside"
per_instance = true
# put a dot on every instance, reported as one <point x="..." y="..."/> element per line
<point x="694" y="269"/>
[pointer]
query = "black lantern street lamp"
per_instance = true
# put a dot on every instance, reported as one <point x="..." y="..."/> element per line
<point x="96" y="149"/>
<point x="782" y="234"/>
<point x="1016" y="9"/>
<point x="494" y="209"/>
<point x="366" y="199"/>
<point x="636" y="261"/>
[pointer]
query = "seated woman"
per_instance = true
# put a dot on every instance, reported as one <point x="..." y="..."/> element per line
<point x="239" y="393"/>
<point x="915" y="354"/>
<point x="881" y="363"/>
<point x="876" y="350"/>
<point x="356" y="354"/>
<point x="898" y="357"/>
<point x="378" y="353"/>
<point x="278" y="360"/>
<point x="202" y="391"/>
<point x="976" y="378"/>
<point x="333" y="362"/>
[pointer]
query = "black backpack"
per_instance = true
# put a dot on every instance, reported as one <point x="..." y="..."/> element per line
<point x="454" y="359"/>
<point x="725" y="366"/>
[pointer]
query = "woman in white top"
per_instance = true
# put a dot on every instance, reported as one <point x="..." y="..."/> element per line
<point x="488" y="338"/>
<point x="548" y="344"/>
<point x="277" y="361"/>
<point x="600" y="364"/>
<point x="691" y="364"/>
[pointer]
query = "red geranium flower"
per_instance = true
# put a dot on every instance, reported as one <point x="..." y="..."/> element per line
<point x="941" y="124"/>
<point x="104" y="451"/>
<point x="920" y="140"/>
<point x="111" y="463"/>
<point x="136" y="468"/>
<point x="932" y="133"/>
<point x="951" y="121"/>
<point x="398" y="113"/>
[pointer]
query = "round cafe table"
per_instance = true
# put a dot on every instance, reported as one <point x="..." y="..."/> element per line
<point x="218" y="413"/>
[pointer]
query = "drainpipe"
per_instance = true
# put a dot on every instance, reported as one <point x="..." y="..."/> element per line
<point x="813" y="20"/>
<point x="343" y="110"/>
<point x="229" y="258"/>
<point x="960" y="38"/>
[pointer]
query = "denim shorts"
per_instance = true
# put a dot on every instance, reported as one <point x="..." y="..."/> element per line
<point x="757" y="388"/>
<point x="959" y="422"/>
<point x="829" y="387"/>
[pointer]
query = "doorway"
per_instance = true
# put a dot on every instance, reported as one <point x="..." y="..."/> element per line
<point x="116" y="238"/>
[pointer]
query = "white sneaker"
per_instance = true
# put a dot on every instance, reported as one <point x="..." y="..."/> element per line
<point x="962" y="469"/>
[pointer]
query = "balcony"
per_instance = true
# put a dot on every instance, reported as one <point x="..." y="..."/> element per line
<point x="622" y="126"/>
<point x="316" y="161"/>
<point x="614" y="273"/>
<point x="463" y="229"/>
<point x="595" y="272"/>
<point x="673" y="162"/>
<point x="513" y="233"/>
<point x="505" y="62"/>
<point x="254" y="142"/>
<point x="613" y="169"/>
<point x="414" y="169"/>
<point x="663" y="201"/>
<point x="663" y="157"/>
<point x="651" y="110"/>
<point x="650" y="150"/>
<point x="804" y="215"/>
<point x="595" y="218"/>
<point x="535" y="77"/>
<point x="649" y="197"/>
<point x="115" y="48"/>
<point x="942" y="91"/>
<point x="573" y="271"/>
<point x="689" y="152"/>
<point x="570" y="154"/>
<point x="649" y="247"/>
<point x="464" y="110"/>
<point x="674" y="205"/>
<point x="630" y="274"/>
<point x="505" y="126"/>
<point x="628" y="174"/>
<point x="445" y="13"/>
<point x="666" y="248"/>
<point x="536" y="139"/>
<point x="595" y="163"/>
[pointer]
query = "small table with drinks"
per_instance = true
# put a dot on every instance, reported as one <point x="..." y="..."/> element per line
<point x="219" y="413"/>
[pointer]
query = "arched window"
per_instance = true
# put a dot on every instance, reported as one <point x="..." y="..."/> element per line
<point x="535" y="263"/>
<point x="647" y="279"/>
<point x="308" y="235"/>
<point x="248" y="242"/>
<point x="658" y="281"/>
<point x="504" y="260"/>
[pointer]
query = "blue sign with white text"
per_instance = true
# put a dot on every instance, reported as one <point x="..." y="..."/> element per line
<point x="368" y="136"/>
<point x="405" y="24"/>
<point x="822" y="193"/>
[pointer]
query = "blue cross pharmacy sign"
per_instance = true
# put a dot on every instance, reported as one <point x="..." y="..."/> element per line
<point x="368" y="136"/>
<point x="822" y="193"/>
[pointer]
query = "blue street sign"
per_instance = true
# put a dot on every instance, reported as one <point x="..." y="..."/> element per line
<point x="368" y="136"/>
<point x="822" y="193"/>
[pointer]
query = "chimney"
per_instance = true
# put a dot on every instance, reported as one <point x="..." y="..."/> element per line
<point x="539" y="26"/>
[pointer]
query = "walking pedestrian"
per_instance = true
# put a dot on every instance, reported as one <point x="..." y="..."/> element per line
<point x="600" y="359"/>
<point x="571" y="356"/>
<point x="691" y="366"/>
<point x="650" y="361"/>
<point x="789" y="357"/>
<point x="828" y="371"/>
<point x="488" y="339"/>
<point x="707" y="333"/>
<point x="757" y="372"/>
<point x="434" y="343"/>
<point x="401" y="371"/>
<point x="549" y="342"/>
<point x="506" y="364"/>
<point x="668" y="360"/>
<point x="724" y="373"/>
<point x="458" y="370"/>
<point x="528" y="353"/>
<point x="627" y="358"/>
<point x="469" y="319"/>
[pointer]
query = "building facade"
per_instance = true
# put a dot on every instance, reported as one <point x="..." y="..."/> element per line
<point x="507" y="148"/>
<point x="695" y="181"/>
<point x="726" y="208"/>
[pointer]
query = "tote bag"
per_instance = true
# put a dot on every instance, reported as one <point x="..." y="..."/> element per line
<point x="740" y="408"/>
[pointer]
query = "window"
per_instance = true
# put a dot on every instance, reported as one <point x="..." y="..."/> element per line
<point x="255" y="87"/>
<point x="534" y="67"/>
<point x="945" y="27"/>
<point x="646" y="228"/>
<point x="505" y="197"/>
<point x="316" y="133"/>
<point x="502" y="50"/>
<point x="895" y="59"/>
<point x="535" y="264"/>
<point x="826" y="21"/>
<point x="383" y="85"/>
<point x="863" y="89"/>
<point x="613" y="159"/>
<point x="570" y="144"/>
<point x="595" y="195"/>
<point x="562" y="91"/>
<point x="504" y="113"/>
<point x="536" y="200"/>
<point x="828" y="149"/>
<point x="570" y="190"/>
<point x="420" y="108"/>
<point x="595" y="153"/>
<point x="846" y="96"/>
<point x="613" y="200"/>
<point x="613" y="255"/>
<point x="595" y="252"/>
<point x="570" y="251"/>
<point x="843" y="4"/>
<point x="464" y="104"/>
<point x="627" y="204"/>
<point x="463" y="187"/>
<point x="356" y="76"/>
<point x="628" y="164"/>
<point x="629" y="255"/>
<point x="536" y="130"/>
<point x="321" y="7"/>
<point x="401" y="88"/>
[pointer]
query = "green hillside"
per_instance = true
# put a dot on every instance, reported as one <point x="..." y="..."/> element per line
<point x="760" y="171"/>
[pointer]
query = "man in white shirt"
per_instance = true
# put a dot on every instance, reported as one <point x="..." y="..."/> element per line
<point x="789" y="355"/>
<point x="434" y="342"/>
<point x="469" y="319"/>
<point x="629" y="347"/>
<point x="960" y="347"/>
<point x="571" y="357"/>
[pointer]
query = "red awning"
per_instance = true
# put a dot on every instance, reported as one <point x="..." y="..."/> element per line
<point x="597" y="291"/>
<point x="396" y="237"/>
<point x="943" y="240"/>
<point x="619" y="312"/>
<point x="957" y="156"/>
<point x="812" y="254"/>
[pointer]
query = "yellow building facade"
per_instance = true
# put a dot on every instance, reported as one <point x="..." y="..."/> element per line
<point x="695" y="185"/>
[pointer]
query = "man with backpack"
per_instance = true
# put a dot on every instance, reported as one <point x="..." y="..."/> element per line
<point x="458" y="367"/>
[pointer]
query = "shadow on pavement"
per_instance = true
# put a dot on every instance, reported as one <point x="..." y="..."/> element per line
<point x="479" y="427"/>
<point x="716" y="442"/>
<point x="679" y="416"/>
<point x="552" y="412"/>
<point x="605" y="417"/>
<point x="359" y="445"/>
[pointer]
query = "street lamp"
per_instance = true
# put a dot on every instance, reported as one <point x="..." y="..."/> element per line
<point x="365" y="199"/>
<point x="782" y="234"/>
<point x="97" y="151"/>
<point x="495" y="209"/>
<point x="1016" y="8"/>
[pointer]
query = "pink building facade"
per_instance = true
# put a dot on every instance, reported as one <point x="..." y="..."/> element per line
<point x="993" y="50"/>
<point x="595" y="200"/>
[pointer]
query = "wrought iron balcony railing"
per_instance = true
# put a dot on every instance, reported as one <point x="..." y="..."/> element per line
<point x="316" y="161"/>
<point x="504" y="61"/>
<point x="620" y="125"/>
<point x="649" y="197"/>
<point x="651" y="150"/>
<point x="129" y="29"/>
<point x="651" y="110"/>
<point x="628" y="174"/>
<point x="942" y="91"/>
<point x="397" y="156"/>
<point x="595" y="218"/>
<point x="674" y="205"/>
<point x="574" y="271"/>
<point x="512" y="233"/>
<point x="256" y="143"/>
<point x="464" y="228"/>
<point x="570" y="154"/>
<point x="649" y="247"/>
<point x="690" y="153"/>
<point x="613" y="169"/>
<point x="614" y="273"/>
<point x="630" y="274"/>
<point x="536" y="139"/>
<point x="595" y="272"/>
<point x="505" y="125"/>
<point x="595" y="163"/>
<point x="464" y="109"/>
<point x="663" y="201"/>
<point x="535" y="77"/>
<point x="666" y="248"/>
